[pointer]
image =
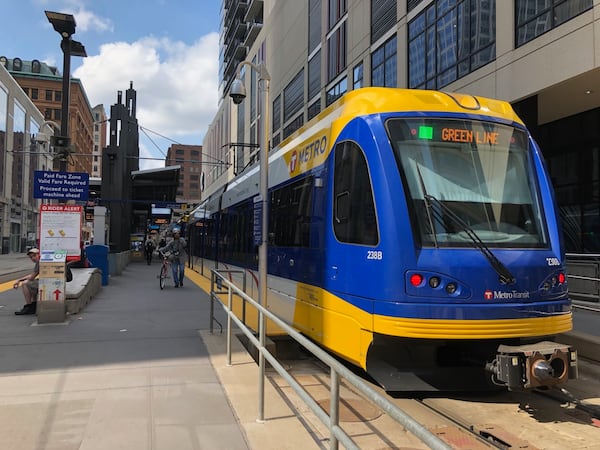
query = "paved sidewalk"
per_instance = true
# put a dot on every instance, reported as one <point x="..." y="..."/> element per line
<point x="130" y="372"/>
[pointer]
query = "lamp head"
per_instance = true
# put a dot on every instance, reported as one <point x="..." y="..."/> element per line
<point x="237" y="92"/>
<point x="62" y="23"/>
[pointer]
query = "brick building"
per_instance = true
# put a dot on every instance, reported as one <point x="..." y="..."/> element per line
<point x="189" y="158"/>
<point x="43" y="85"/>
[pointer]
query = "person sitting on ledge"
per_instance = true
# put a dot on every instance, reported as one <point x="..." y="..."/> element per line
<point x="29" y="285"/>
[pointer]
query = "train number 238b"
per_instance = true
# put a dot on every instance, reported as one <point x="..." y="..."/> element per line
<point x="374" y="254"/>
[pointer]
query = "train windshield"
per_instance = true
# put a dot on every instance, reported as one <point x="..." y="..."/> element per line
<point x="468" y="180"/>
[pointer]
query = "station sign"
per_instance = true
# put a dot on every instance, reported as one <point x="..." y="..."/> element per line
<point x="60" y="228"/>
<point x="61" y="185"/>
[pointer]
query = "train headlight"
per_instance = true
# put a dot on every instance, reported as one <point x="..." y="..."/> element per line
<point x="434" y="282"/>
<point x="451" y="288"/>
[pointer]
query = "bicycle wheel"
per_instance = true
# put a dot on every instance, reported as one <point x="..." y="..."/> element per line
<point x="163" y="276"/>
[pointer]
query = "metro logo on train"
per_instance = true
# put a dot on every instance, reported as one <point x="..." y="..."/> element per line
<point x="307" y="155"/>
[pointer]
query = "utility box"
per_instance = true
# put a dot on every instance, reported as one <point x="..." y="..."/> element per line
<point x="51" y="306"/>
<point x="98" y="257"/>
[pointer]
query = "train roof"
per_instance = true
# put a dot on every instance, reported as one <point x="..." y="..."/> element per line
<point x="376" y="100"/>
<point x="323" y="129"/>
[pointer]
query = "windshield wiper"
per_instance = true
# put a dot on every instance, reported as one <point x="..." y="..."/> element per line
<point x="505" y="276"/>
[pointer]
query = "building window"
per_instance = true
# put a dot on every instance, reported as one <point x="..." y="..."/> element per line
<point x="313" y="109"/>
<point x="179" y="151"/>
<point x="357" y="76"/>
<point x="449" y="40"/>
<point x="336" y="47"/>
<point x="58" y="96"/>
<point x="36" y="67"/>
<point x="314" y="75"/>
<point x="293" y="125"/>
<point x="383" y="18"/>
<point x="275" y="140"/>
<point x="48" y="114"/>
<point x="48" y="95"/>
<point x="57" y="114"/>
<point x="384" y="65"/>
<point x="337" y="90"/>
<point x="412" y="4"/>
<point x="276" y="120"/>
<point x="337" y="9"/>
<point x="293" y="96"/>
<point x="34" y="93"/>
<point x="534" y="18"/>
<point x="314" y="24"/>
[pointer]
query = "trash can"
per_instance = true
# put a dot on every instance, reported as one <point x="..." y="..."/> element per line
<point x="98" y="257"/>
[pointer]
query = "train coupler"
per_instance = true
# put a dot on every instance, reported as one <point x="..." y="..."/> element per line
<point x="530" y="366"/>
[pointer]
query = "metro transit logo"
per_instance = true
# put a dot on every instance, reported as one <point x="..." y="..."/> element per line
<point x="502" y="295"/>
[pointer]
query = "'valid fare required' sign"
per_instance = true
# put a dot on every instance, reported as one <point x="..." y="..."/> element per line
<point x="61" y="185"/>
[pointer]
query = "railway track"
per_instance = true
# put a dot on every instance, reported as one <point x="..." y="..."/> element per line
<point x="500" y="420"/>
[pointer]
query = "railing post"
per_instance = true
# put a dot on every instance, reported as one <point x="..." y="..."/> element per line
<point x="212" y="300"/>
<point x="334" y="411"/>
<point x="229" y="307"/>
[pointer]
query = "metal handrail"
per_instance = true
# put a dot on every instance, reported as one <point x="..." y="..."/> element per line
<point x="337" y="370"/>
<point x="592" y="259"/>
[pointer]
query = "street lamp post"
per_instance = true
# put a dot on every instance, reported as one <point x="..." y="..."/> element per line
<point x="238" y="93"/>
<point x="65" y="25"/>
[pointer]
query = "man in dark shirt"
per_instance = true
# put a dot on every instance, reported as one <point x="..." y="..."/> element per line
<point x="176" y="249"/>
<point x="29" y="284"/>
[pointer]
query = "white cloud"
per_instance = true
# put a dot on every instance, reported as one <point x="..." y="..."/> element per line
<point x="176" y="84"/>
<point x="87" y="20"/>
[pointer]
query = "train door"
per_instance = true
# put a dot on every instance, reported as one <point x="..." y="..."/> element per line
<point x="352" y="253"/>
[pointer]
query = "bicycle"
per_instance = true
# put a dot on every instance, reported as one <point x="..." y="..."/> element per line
<point x="164" y="270"/>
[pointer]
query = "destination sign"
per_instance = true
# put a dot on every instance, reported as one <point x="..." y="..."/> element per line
<point x="461" y="135"/>
<point x="469" y="136"/>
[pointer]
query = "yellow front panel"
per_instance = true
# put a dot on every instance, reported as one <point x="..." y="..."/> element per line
<point x="472" y="329"/>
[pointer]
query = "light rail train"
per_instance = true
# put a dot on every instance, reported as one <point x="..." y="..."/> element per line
<point x="412" y="233"/>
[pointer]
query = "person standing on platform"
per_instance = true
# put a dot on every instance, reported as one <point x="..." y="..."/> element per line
<point x="149" y="249"/>
<point x="29" y="284"/>
<point x="176" y="251"/>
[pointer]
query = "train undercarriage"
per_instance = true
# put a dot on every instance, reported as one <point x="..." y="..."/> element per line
<point x="400" y="364"/>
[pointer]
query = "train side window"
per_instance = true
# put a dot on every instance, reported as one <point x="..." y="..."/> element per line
<point x="290" y="214"/>
<point x="354" y="215"/>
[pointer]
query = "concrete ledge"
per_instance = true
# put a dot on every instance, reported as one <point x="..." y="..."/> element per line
<point x="587" y="345"/>
<point x="86" y="283"/>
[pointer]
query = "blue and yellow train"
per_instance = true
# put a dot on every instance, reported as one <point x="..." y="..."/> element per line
<point x="412" y="233"/>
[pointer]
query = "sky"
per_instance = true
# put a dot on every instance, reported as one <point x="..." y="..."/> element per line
<point x="168" y="48"/>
